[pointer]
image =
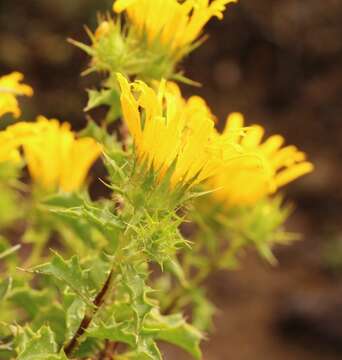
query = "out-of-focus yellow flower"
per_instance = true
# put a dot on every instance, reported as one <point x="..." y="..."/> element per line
<point x="10" y="87"/>
<point x="175" y="24"/>
<point x="55" y="158"/>
<point x="8" y="148"/>
<point x="167" y="130"/>
<point x="239" y="185"/>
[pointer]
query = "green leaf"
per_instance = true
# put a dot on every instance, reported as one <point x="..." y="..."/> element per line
<point x="133" y="282"/>
<point x="74" y="316"/>
<point x="108" y="97"/>
<point x="174" y="330"/>
<point x="173" y="266"/>
<point x="147" y="349"/>
<point x="116" y="332"/>
<point x="203" y="311"/>
<point x="87" y="348"/>
<point x="30" y="300"/>
<point x="52" y="315"/>
<point x="98" y="217"/>
<point x="70" y="273"/>
<point x="40" y="345"/>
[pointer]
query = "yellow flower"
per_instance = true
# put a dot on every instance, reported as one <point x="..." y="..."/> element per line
<point x="279" y="165"/>
<point x="55" y="158"/>
<point x="10" y="87"/>
<point x="175" y="24"/>
<point x="8" y="148"/>
<point x="167" y="130"/>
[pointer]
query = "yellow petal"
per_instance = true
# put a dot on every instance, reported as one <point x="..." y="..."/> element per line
<point x="292" y="173"/>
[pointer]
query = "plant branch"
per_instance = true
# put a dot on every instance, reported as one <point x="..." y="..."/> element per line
<point x="88" y="317"/>
<point x="109" y="350"/>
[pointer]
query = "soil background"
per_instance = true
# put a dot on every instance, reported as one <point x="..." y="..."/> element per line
<point x="280" y="63"/>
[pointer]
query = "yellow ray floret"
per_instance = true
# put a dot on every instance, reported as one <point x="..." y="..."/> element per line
<point x="174" y="23"/>
<point x="55" y="158"/>
<point x="10" y="88"/>
<point x="280" y="165"/>
<point x="169" y="130"/>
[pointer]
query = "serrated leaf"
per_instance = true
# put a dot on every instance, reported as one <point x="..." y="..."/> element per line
<point x="69" y="272"/>
<point x="115" y="332"/>
<point x="54" y="316"/>
<point x="67" y="225"/>
<point x="135" y="285"/>
<point x="103" y="97"/>
<point x="98" y="217"/>
<point x="174" y="330"/>
<point x="74" y="316"/>
<point x="147" y="349"/>
<point x="40" y="345"/>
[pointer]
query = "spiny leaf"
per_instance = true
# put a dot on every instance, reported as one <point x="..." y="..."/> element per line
<point x="74" y="316"/>
<point x="38" y="346"/>
<point x="115" y="332"/>
<point x="108" y="97"/>
<point x="69" y="272"/>
<point x="174" y="330"/>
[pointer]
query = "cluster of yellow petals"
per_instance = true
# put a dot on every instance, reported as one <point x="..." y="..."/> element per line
<point x="10" y="88"/>
<point x="238" y="184"/>
<point x="175" y="24"/>
<point x="55" y="158"/>
<point x="167" y="131"/>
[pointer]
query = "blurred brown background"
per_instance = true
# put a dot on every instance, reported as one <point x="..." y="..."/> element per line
<point x="280" y="63"/>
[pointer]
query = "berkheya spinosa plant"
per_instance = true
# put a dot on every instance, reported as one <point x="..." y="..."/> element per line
<point x="113" y="277"/>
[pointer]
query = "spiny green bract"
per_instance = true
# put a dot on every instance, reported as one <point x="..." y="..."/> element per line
<point x="117" y="48"/>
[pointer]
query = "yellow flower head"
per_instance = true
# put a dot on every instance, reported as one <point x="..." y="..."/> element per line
<point x="167" y="130"/>
<point x="238" y="185"/>
<point x="55" y="158"/>
<point x="175" y="24"/>
<point x="10" y="87"/>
